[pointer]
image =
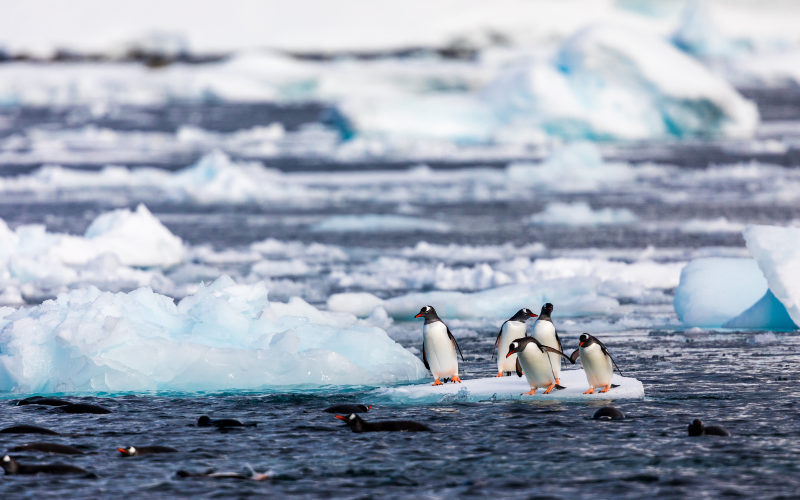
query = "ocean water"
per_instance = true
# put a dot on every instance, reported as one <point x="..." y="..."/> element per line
<point x="466" y="223"/>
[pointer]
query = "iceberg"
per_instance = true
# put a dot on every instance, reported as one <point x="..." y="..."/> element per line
<point x="777" y="252"/>
<point x="768" y="313"/>
<point x="224" y="337"/>
<point x="509" y="388"/>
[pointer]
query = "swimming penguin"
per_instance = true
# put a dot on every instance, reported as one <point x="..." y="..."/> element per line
<point x="205" y="421"/>
<point x="48" y="448"/>
<point x="28" y="429"/>
<point x="83" y="408"/>
<point x="357" y="424"/>
<point x="11" y="466"/>
<point x="512" y="329"/>
<point x="344" y="409"/>
<point x="439" y="347"/>
<point x="596" y="361"/>
<point x="608" y="413"/>
<point x="533" y="360"/>
<point x="39" y="400"/>
<point x="132" y="451"/>
<point x="696" y="428"/>
<point x="545" y="332"/>
<point x="224" y="475"/>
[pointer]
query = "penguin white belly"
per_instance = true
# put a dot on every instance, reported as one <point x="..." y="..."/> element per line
<point x="545" y="333"/>
<point x="536" y="366"/>
<point x="439" y="350"/>
<point x="511" y="331"/>
<point x="596" y="365"/>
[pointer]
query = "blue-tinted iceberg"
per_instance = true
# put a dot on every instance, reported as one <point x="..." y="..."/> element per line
<point x="777" y="251"/>
<point x="226" y="336"/>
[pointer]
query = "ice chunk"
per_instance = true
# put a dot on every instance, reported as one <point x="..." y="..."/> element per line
<point x="358" y="304"/>
<point x="581" y="214"/>
<point x="767" y="313"/>
<point x="763" y="338"/>
<point x="719" y="225"/>
<point x="379" y="223"/>
<point x="715" y="290"/>
<point x="777" y="251"/>
<point x="507" y="388"/>
<point x="226" y="336"/>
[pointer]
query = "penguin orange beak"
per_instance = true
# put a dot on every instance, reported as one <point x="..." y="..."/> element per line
<point x="418" y="315"/>
<point x="533" y="315"/>
<point x="581" y="344"/>
<point x="369" y="407"/>
<point x="122" y="450"/>
<point x="510" y="353"/>
<point x="341" y="417"/>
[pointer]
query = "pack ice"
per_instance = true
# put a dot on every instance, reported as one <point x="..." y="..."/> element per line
<point x="758" y="293"/>
<point x="226" y="336"/>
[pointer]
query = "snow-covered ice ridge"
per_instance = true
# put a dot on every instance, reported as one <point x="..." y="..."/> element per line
<point x="226" y="336"/>
<point x="509" y="388"/>
<point x="762" y="292"/>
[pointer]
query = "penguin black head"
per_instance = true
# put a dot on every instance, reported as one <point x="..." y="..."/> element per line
<point x="353" y="420"/>
<point x="523" y="315"/>
<point x="513" y="348"/>
<point x="204" y="421"/>
<point x="9" y="465"/>
<point x="547" y="309"/>
<point x="427" y="312"/>
<point x="129" y="451"/>
<point x="696" y="427"/>
<point x="519" y="345"/>
<point x="585" y="340"/>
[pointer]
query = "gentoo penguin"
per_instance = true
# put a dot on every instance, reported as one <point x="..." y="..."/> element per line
<point x="28" y="429"/>
<point x="545" y="332"/>
<point x="39" y="400"/>
<point x="357" y="424"/>
<point x="608" y="413"/>
<point x="61" y="449"/>
<point x="11" y="466"/>
<point x="596" y="361"/>
<point x="224" y="475"/>
<point x="83" y="408"/>
<point x="696" y="428"/>
<point x="439" y="347"/>
<point x="132" y="451"/>
<point x="345" y="409"/>
<point x="533" y="360"/>
<point x="205" y="421"/>
<point x="512" y="329"/>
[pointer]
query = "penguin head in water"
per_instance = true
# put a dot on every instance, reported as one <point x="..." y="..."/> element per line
<point x="352" y="421"/>
<point x="204" y="421"/>
<point x="696" y="427"/>
<point x="9" y="465"/>
<point x="427" y="312"/>
<point x="129" y="451"/>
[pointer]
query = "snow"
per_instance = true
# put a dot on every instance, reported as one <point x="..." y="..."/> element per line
<point x="506" y="388"/>
<point x="581" y="214"/>
<point x="379" y="223"/>
<point x="715" y="290"/>
<point x="224" y="337"/>
<point x="777" y="251"/>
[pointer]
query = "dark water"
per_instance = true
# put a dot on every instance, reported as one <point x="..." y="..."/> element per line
<point x="504" y="449"/>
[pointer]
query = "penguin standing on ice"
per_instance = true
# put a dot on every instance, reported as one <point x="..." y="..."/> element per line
<point x="534" y="359"/>
<point x="545" y="332"/>
<point x="597" y="363"/>
<point x="513" y="329"/>
<point x="439" y="347"/>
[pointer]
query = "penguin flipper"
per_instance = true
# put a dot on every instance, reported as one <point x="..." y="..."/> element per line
<point x="454" y="342"/>
<point x="560" y="347"/>
<point x="497" y="342"/>
<point x="605" y="351"/>
<point x="519" y="368"/>
<point x="546" y="348"/>
<point x="425" y="358"/>
<point x="574" y="356"/>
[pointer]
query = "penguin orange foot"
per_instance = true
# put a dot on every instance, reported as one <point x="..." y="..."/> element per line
<point x="607" y="388"/>
<point x="437" y="382"/>
<point x="532" y="392"/>
<point x="552" y="386"/>
<point x="590" y="391"/>
<point x="455" y="379"/>
<point x="501" y="374"/>
<point x="558" y="381"/>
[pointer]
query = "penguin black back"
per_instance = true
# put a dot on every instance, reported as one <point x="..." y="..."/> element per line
<point x="697" y="428"/>
<point x="39" y="400"/>
<point x="28" y="429"/>
<point x="48" y="448"/>
<point x="347" y="409"/>
<point x="358" y="424"/>
<point x="11" y="466"/>
<point x="608" y="413"/>
<point x="206" y="421"/>
<point x="84" y="408"/>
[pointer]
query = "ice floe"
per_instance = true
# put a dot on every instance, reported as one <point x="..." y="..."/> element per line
<point x="226" y="336"/>
<point x="379" y="223"/>
<point x="581" y="214"/>
<point x="509" y="388"/>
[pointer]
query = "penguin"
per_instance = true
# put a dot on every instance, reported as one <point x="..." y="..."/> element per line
<point x="39" y="400"/>
<point x="357" y="424"/>
<point x="696" y="428"/>
<point x="439" y="347"/>
<point x="608" y="413"/>
<point x="83" y="408"/>
<point x="545" y="332"/>
<point x="533" y="360"/>
<point x="48" y="448"/>
<point x="28" y="429"/>
<point x="343" y="409"/>
<point x="11" y="466"/>
<point x="132" y="451"/>
<point x="205" y="421"/>
<point x="514" y="328"/>
<point x="596" y="361"/>
<point x="225" y="475"/>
